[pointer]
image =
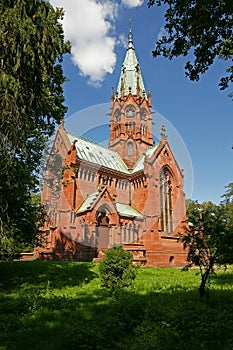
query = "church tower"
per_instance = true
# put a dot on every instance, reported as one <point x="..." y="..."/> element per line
<point x="130" y="193"/>
<point x="131" y="114"/>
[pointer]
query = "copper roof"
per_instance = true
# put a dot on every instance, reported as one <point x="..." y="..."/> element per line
<point x="101" y="156"/>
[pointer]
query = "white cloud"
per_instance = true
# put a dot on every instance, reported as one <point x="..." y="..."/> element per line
<point x="122" y="40"/>
<point x="162" y="32"/>
<point x="132" y="3"/>
<point x="87" y="24"/>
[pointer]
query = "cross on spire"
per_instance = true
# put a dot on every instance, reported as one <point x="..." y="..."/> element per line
<point x="130" y="30"/>
<point x="130" y="24"/>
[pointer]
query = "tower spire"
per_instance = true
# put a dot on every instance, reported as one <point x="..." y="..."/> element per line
<point x="131" y="76"/>
<point x="131" y="121"/>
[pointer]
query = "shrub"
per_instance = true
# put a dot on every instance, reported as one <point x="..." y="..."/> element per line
<point x="116" y="268"/>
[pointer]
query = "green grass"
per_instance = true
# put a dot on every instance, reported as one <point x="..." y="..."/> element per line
<point x="61" y="305"/>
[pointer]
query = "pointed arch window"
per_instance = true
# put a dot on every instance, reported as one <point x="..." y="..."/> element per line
<point x="130" y="149"/>
<point x="117" y="115"/>
<point x="143" y="114"/>
<point x="166" y="213"/>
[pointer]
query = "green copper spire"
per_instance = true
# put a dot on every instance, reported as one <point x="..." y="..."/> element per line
<point x="131" y="78"/>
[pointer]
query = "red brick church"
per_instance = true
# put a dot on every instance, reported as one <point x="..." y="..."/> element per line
<point x="130" y="193"/>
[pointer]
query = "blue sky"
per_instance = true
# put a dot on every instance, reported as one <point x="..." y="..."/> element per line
<point x="198" y="112"/>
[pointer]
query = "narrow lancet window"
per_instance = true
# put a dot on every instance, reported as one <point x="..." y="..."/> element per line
<point x="166" y="220"/>
<point x="130" y="149"/>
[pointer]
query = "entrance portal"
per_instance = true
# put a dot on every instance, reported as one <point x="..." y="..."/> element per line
<point x="102" y="229"/>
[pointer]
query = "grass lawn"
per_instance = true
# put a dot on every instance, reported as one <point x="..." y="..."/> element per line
<point x="61" y="305"/>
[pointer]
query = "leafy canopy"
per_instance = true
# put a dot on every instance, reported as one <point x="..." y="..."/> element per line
<point x="209" y="236"/>
<point x="31" y="103"/>
<point x="203" y="28"/>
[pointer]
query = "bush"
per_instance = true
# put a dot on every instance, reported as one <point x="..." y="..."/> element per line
<point x="116" y="269"/>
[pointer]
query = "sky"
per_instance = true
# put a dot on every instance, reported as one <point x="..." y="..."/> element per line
<point x="197" y="115"/>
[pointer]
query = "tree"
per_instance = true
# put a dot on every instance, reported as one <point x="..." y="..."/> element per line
<point x="227" y="245"/>
<point x="208" y="238"/>
<point x="116" y="269"/>
<point x="229" y="193"/>
<point x="203" y="28"/>
<point x="31" y="103"/>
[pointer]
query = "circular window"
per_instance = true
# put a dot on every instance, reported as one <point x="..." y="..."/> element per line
<point x="130" y="112"/>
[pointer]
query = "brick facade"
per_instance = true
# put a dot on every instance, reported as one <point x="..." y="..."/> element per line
<point x="130" y="193"/>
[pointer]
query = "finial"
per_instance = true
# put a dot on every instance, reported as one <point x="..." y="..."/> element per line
<point x="163" y="132"/>
<point x="130" y="24"/>
<point x="62" y="123"/>
<point x="122" y="88"/>
<point x="138" y="87"/>
<point x="149" y="98"/>
<point x="130" y="30"/>
<point x="112" y="96"/>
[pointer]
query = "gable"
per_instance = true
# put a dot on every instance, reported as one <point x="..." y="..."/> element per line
<point x="164" y="153"/>
<point x="122" y="209"/>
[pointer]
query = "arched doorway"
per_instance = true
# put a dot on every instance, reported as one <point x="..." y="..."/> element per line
<point x="171" y="260"/>
<point x="102" y="228"/>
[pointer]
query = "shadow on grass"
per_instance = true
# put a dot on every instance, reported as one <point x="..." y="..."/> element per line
<point x="94" y="319"/>
<point x="223" y="278"/>
<point x="15" y="275"/>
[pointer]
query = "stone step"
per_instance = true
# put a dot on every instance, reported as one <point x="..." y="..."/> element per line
<point x="134" y="246"/>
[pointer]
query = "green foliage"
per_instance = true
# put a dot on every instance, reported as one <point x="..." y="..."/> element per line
<point x="228" y="196"/>
<point x="31" y="102"/>
<point x="226" y="252"/>
<point x="61" y="305"/>
<point x="202" y="28"/>
<point x="209" y="237"/>
<point x="116" y="269"/>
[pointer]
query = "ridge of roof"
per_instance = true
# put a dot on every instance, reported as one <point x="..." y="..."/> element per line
<point x="149" y="152"/>
<point x="127" y="210"/>
<point x="88" y="201"/>
<point x="92" y="151"/>
<point x="76" y="137"/>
